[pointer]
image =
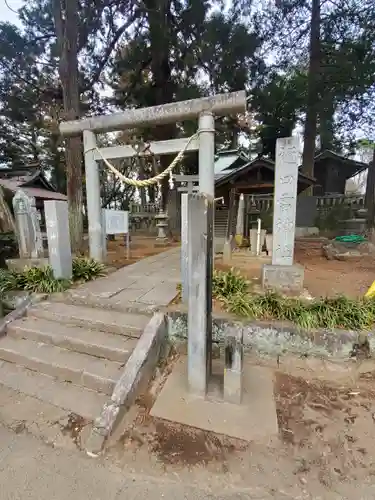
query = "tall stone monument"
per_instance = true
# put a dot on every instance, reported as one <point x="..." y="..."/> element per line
<point x="57" y="222"/>
<point x="283" y="274"/>
<point x="29" y="235"/>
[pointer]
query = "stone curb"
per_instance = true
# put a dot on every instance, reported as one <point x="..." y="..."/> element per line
<point x="137" y="374"/>
<point x="274" y="338"/>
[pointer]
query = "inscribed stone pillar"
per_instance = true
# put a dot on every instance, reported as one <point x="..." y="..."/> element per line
<point x="285" y="199"/>
<point x="37" y="250"/>
<point x="57" y="222"/>
<point x="282" y="275"/>
<point x="24" y="226"/>
<point x="200" y="264"/>
<point x="240" y="225"/>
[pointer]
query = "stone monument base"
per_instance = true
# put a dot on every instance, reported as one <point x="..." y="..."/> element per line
<point x="20" y="264"/>
<point x="254" y="419"/>
<point x="283" y="278"/>
<point x="162" y="242"/>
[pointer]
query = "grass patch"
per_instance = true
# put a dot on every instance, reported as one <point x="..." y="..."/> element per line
<point x="329" y="313"/>
<point x="228" y="283"/>
<point x="42" y="280"/>
<point x="233" y="291"/>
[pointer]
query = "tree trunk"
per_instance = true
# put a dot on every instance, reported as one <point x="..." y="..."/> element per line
<point x="158" y="12"/>
<point x="370" y="199"/>
<point x="326" y="125"/>
<point x="66" y="25"/>
<point x="312" y="94"/>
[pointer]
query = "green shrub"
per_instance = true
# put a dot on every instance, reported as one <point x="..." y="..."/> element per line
<point x="226" y="284"/>
<point x="8" y="281"/>
<point x="85" y="269"/>
<point x="329" y="220"/>
<point x="41" y="280"/>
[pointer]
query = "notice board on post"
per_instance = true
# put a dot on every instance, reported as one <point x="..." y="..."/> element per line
<point x="116" y="221"/>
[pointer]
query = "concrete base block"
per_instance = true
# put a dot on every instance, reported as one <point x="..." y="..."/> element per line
<point x="162" y="242"/>
<point x="94" y="443"/>
<point x="301" y="232"/>
<point x="20" y="264"/>
<point x="253" y="420"/>
<point x="233" y="386"/>
<point x="283" y="278"/>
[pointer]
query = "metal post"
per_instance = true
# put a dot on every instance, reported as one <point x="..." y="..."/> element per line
<point x="94" y="211"/>
<point x="206" y="153"/>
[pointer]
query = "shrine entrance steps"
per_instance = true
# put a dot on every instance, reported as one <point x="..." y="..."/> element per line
<point x="65" y="357"/>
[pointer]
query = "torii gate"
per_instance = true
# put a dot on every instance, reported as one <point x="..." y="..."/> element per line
<point x="204" y="109"/>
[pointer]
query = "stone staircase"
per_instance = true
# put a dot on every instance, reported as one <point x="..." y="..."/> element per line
<point x="67" y="355"/>
<point x="221" y="224"/>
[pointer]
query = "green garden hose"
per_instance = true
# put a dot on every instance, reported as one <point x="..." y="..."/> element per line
<point x="351" y="238"/>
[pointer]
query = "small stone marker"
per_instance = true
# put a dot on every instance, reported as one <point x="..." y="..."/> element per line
<point x="57" y="223"/>
<point x="233" y="371"/>
<point x="282" y="274"/>
<point x="200" y="266"/>
<point x="29" y="235"/>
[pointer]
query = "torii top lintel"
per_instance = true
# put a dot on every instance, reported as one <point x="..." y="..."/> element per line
<point x="221" y="104"/>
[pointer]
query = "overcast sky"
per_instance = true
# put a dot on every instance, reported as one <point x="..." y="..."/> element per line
<point x="6" y="13"/>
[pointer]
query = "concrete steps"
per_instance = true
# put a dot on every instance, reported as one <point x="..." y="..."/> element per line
<point x="68" y="355"/>
<point x="108" y="304"/>
<point x="78" y="339"/>
<point x="72" y="398"/>
<point x="92" y="318"/>
<point x="65" y="365"/>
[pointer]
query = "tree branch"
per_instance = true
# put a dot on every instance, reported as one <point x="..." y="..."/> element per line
<point x="107" y="53"/>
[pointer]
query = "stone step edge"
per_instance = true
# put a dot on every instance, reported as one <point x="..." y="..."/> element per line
<point x="18" y="331"/>
<point x="107" y="304"/>
<point x="19" y="388"/>
<point x="127" y="331"/>
<point x="63" y="373"/>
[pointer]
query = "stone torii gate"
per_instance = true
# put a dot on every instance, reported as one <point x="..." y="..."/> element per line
<point x="200" y="205"/>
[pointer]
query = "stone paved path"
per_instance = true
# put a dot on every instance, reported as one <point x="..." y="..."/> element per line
<point x="146" y="285"/>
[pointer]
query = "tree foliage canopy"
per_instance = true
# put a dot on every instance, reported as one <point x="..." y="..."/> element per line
<point x="133" y="54"/>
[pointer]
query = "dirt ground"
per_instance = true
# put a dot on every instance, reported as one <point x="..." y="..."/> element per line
<point x="322" y="277"/>
<point x="140" y="247"/>
<point x="325" y="449"/>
